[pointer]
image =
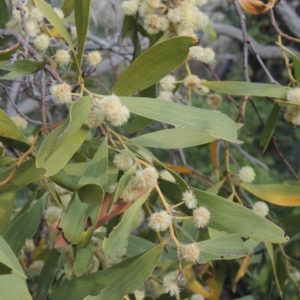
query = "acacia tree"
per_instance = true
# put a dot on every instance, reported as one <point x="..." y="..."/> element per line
<point x="87" y="210"/>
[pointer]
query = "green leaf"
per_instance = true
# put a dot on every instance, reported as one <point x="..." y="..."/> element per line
<point x="138" y="123"/>
<point x="121" y="185"/>
<point x="118" y="238"/>
<point x="8" y="129"/>
<point x="13" y="287"/>
<point x="279" y="194"/>
<point x="90" y="194"/>
<point x="48" y="274"/>
<point x="114" y="282"/>
<point x="7" y="202"/>
<point x="9" y="259"/>
<point x="214" y="123"/>
<point x="210" y="31"/>
<point x="24" y="175"/>
<point x="296" y="61"/>
<point x="22" y="67"/>
<point x="4" y="13"/>
<point x="269" y="127"/>
<point x="48" y="12"/>
<point x="271" y="254"/>
<point x="82" y="18"/>
<point x="216" y="187"/>
<point x="83" y="259"/>
<point x="230" y="217"/>
<point x="173" y="138"/>
<point x="68" y="7"/>
<point x="60" y="145"/>
<point x="138" y="245"/>
<point x="99" y="162"/>
<point x="240" y="88"/>
<point x="225" y="247"/>
<point x="17" y="233"/>
<point x="153" y="64"/>
<point x="75" y="220"/>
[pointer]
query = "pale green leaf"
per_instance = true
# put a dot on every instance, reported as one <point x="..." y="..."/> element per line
<point x="8" y="128"/>
<point x="240" y="88"/>
<point x="74" y="220"/>
<point x="60" y="145"/>
<point x="118" y="238"/>
<point x="173" y="138"/>
<point x="224" y="247"/>
<point x="9" y="259"/>
<point x="231" y="217"/>
<point x="114" y="282"/>
<point x="83" y="259"/>
<point x="48" y="12"/>
<point x="13" y="287"/>
<point x="214" y="123"/>
<point x="99" y="162"/>
<point x="17" y="233"/>
<point x="153" y="64"/>
<point x="24" y="175"/>
<point x="216" y="187"/>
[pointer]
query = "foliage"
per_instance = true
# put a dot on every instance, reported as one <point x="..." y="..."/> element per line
<point x="88" y="181"/>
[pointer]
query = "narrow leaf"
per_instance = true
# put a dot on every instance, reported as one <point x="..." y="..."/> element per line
<point x="68" y="6"/>
<point x="82" y="18"/>
<point x="279" y="194"/>
<point x="114" y="282"/>
<point x="216" y="124"/>
<point x="269" y="127"/>
<point x="7" y="202"/>
<point x="60" y="145"/>
<point x="16" y="234"/>
<point x="152" y="65"/>
<point x="9" y="259"/>
<point x="22" y="67"/>
<point x="24" y="175"/>
<point x="4" y="14"/>
<point x="13" y="287"/>
<point x="48" y="274"/>
<point x="240" y="88"/>
<point x="173" y="138"/>
<point x="118" y="238"/>
<point x="48" y="12"/>
<point x="83" y="259"/>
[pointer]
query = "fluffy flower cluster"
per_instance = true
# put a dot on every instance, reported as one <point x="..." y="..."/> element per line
<point x="53" y="213"/>
<point x="246" y="174"/>
<point x="123" y="160"/>
<point x="292" y="115"/>
<point x="189" y="199"/>
<point x="194" y="82"/>
<point x="171" y="283"/>
<point x="62" y="57"/>
<point x="189" y="253"/>
<point x="34" y="22"/>
<point x="206" y="55"/>
<point x="293" y="95"/>
<point x="144" y="178"/>
<point x="41" y="42"/>
<point x="61" y="93"/>
<point x="94" y="58"/>
<point x="181" y="18"/>
<point x="260" y="208"/>
<point x="214" y="101"/>
<point x="201" y="217"/>
<point x="160" y="221"/>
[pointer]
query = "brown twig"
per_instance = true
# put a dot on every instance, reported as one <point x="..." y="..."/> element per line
<point x="14" y="47"/>
<point x="286" y="36"/>
<point x="24" y="26"/>
<point x="43" y="98"/>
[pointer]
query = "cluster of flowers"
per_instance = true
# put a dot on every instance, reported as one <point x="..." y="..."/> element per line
<point x="292" y="113"/>
<point x="179" y="18"/>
